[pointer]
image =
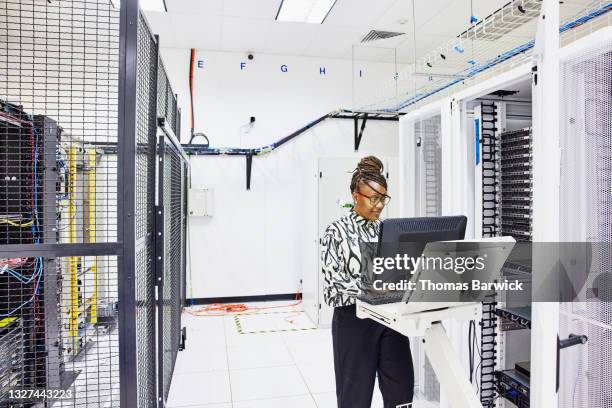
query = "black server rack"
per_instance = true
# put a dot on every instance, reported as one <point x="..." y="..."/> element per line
<point x="515" y="203"/>
<point x="516" y="184"/>
<point x="28" y="287"/>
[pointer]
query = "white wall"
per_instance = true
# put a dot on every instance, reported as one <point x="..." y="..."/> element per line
<point x="263" y="241"/>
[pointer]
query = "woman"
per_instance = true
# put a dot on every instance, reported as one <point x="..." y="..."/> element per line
<point x="362" y="347"/>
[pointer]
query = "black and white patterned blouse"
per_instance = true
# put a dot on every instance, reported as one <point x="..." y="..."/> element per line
<point x="341" y="257"/>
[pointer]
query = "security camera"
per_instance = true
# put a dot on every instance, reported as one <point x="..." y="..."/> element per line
<point x="250" y="56"/>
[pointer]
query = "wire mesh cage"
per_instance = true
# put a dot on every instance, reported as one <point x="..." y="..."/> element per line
<point x="167" y="106"/>
<point x="58" y="182"/>
<point x="79" y="102"/>
<point x="171" y="261"/>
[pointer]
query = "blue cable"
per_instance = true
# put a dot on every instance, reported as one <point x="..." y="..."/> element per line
<point x="22" y="278"/>
<point x="36" y="234"/>
<point x="39" y="274"/>
<point x="35" y="224"/>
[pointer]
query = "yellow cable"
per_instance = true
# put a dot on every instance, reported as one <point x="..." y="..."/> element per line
<point x="92" y="232"/>
<point x="73" y="312"/>
<point x="14" y="224"/>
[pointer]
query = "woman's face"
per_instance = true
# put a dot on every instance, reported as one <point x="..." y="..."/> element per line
<point x="363" y="197"/>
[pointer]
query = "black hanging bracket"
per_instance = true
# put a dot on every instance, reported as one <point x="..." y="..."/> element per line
<point x="249" y="165"/>
<point x="358" y="131"/>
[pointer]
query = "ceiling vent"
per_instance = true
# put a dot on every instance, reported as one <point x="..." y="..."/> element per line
<point x="379" y="35"/>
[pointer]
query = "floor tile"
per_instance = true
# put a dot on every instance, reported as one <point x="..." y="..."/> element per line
<point x="202" y="323"/>
<point x="258" y="355"/>
<point x="311" y="352"/>
<point x="199" y="389"/>
<point x="301" y="401"/>
<point x="319" y="377"/>
<point x="201" y="359"/>
<point x="326" y="400"/>
<point x="292" y="321"/>
<point x="255" y="323"/>
<point x="270" y="382"/>
<point x="234" y="338"/>
<point x="204" y="351"/>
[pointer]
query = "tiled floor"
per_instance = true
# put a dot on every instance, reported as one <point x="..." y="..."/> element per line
<point x="222" y="368"/>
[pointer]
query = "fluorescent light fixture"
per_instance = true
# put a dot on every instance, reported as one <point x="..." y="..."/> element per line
<point x="153" y="5"/>
<point x="305" y="11"/>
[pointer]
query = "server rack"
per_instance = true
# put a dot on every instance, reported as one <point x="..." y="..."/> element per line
<point x="516" y="184"/>
<point x="27" y="284"/>
<point x="504" y="195"/>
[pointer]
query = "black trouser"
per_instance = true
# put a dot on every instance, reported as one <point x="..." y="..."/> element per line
<point x="362" y="348"/>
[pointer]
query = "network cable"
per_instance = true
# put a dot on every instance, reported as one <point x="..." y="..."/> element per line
<point x="22" y="278"/>
<point x="16" y="224"/>
<point x="33" y="223"/>
<point x="38" y="275"/>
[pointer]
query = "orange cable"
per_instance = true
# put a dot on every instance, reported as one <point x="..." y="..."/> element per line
<point x="225" y="309"/>
<point x="191" y="68"/>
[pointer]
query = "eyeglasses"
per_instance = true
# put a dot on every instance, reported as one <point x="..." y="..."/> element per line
<point x="375" y="199"/>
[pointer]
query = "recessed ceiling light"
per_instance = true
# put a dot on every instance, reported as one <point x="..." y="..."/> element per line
<point x="152" y="5"/>
<point x="305" y="11"/>
<point x="402" y="21"/>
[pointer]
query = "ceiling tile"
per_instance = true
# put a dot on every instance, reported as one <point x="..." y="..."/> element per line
<point x="197" y="31"/>
<point x="289" y="38"/>
<point x="161" y="24"/>
<point x="207" y="7"/>
<point x="356" y="13"/>
<point x="243" y="34"/>
<point x="333" y="42"/>
<point x="265" y="9"/>
<point x="398" y="17"/>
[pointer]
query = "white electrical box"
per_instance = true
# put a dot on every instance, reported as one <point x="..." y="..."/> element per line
<point x="200" y="202"/>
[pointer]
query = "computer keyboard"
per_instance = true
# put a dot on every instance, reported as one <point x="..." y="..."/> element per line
<point x="381" y="298"/>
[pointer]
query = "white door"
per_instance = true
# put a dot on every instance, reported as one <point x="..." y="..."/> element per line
<point x="334" y="189"/>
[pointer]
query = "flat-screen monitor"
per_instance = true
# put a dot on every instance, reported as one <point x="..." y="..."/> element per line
<point x="410" y="235"/>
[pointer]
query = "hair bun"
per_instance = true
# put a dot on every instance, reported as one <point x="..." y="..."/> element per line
<point x="370" y="168"/>
<point x="371" y="164"/>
